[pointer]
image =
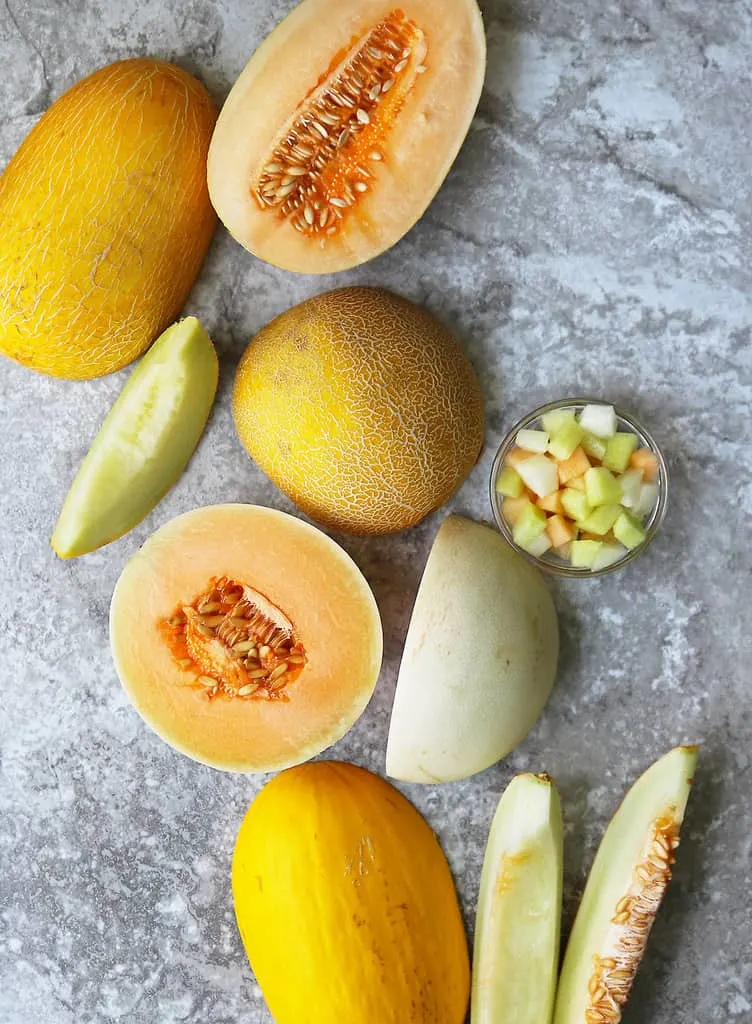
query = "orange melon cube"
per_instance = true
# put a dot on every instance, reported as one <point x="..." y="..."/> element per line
<point x="560" y="531"/>
<point x="578" y="483"/>
<point x="517" y="455"/>
<point x="647" y="461"/>
<point x="512" y="508"/>
<point x="551" y="503"/>
<point x="576" y="465"/>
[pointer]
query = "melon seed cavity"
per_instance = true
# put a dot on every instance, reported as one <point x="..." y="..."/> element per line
<point x="232" y="642"/>
<point x="329" y="152"/>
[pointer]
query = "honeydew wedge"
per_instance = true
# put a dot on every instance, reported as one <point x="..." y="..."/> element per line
<point x="144" y="443"/>
<point x="516" y="954"/>
<point x="479" y="661"/>
<point x="625" y="888"/>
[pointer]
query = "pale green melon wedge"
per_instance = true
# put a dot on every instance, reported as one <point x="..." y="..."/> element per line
<point x="516" y="956"/>
<point x="626" y="885"/>
<point x="144" y="444"/>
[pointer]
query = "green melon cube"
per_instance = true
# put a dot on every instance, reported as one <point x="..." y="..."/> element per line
<point x="539" y="545"/>
<point x="565" y="440"/>
<point x="531" y="524"/>
<point x="601" y="519"/>
<point x="585" y="552"/>
<point x="629" y="531"/>
<point x="619" y="451"/>
<point x="509" y="483"/>
<point x="594" y="446"/>
<point x="575" y="504"/>
<point x="553" y="421"/>
<point x="602" y="487"/>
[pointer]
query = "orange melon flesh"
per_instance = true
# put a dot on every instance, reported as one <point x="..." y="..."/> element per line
<point x="402" y="81"/>
<point x="308" y="577"/>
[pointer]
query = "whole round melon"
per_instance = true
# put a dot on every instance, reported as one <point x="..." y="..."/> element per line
<point x="362" y="408"/>
<point x="105" y="219"/>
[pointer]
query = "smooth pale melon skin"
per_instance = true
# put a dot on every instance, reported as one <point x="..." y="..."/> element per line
<point x="106" y="219"/>
<point x="479" y="661"/>
<point x="346" y="904"/>
<point x="516" y="953"/>
<point x="362" y="408"/>
<point x="419" y="148"/>
<point x="308" y="576"/>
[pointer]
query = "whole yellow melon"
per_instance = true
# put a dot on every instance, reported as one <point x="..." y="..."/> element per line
<point x="362" y="408"/>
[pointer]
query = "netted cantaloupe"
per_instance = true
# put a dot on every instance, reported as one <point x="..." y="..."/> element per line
<point x="342" y="127"/>
<point x="346" y="904"/>
<point x="105" y="218"/>
<point x="245" y="638"/>
<point x="362" y="408"/>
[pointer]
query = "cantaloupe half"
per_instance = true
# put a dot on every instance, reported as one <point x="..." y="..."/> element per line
<point x="245" y="638"/>
<point x="342" y="127"/>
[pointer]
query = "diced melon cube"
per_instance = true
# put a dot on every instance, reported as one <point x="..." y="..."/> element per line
<point x="532" y="441"/>
<point x="619" y="451"/>
<point x="647" y="461"/>
<point x="629" y="531"/>
<point x="577" y="464"/>
<point x="531" y="524"/>
<point x="512" y="508"/>
<point x="509" y="483"/>
<point x="565" y="440"/>
<point x="585" y="552"/>
<point x="560" y="530"/>
<point x="631" y="485"/>
<point x="539" y="474"/>
<point x="555" y="420"/>
<point x="564" y="552"/>
<point x="601" y="519"/>
<point x="608" y="555"/>
<point x="599" y="420"/>
<point x="515" y="456"/>
<point x="551" y="503"/>
<point x="602" y="487"/>
<point x="594" y="446"/>
<point x="578" y="482"/>
<point x="539" y="545"/>
<point x="575" y="504"/>
<point x="646" y="502"/>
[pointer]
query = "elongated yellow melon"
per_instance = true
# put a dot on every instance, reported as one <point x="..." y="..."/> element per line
<point x="105" y="218"/>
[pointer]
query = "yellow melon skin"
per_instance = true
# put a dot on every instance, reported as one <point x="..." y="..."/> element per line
<point x="362" y="408"/>
<point x="346" y="904"/>
<point x="105" y="219"/>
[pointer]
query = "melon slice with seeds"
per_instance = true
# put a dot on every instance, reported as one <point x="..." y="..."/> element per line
<point x="623" y="893"/>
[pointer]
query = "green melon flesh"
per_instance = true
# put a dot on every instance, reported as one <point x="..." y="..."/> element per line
<point x="145" y="442"/>
<point x="516" y="954"/>
<point x="626" y="885"/>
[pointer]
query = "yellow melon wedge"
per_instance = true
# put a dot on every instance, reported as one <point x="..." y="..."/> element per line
<point x="144" y="444"/>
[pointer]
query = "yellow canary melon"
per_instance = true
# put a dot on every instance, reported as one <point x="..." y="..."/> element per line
<point x="342" y="127"/>
<point x="246" y="638"/>
<point x="106" y="219"/>
<point x="346" y="903"/>
<point x="362" y="408"/>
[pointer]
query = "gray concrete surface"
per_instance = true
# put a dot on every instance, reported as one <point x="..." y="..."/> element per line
<point x="593" y="236"/>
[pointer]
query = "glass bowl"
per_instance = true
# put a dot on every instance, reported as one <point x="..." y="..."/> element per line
<point x="551" y="562"/>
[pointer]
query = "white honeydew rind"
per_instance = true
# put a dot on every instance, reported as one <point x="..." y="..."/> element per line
<point x="661" y="792"/>
<point x="516" y="953"/>
<point x="479" y="661"/>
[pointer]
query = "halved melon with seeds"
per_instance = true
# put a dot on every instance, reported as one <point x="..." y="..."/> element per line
<point x="625" y="888"/>
<point x="342" y="127"/>
<point x="245" y="638"/>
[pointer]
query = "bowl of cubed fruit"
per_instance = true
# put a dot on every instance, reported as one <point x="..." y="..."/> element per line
<point x="579" y="487"/>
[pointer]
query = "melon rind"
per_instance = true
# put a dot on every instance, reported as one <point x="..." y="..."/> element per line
<point x="479" y="661"/>
<point x="659" y="795"/>
<point x="516" y="955"/>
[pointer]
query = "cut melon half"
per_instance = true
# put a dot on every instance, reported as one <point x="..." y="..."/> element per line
<point x="245" y="638"/>
<point x="516" y="956"/>
<point x="144" y="443"/>
<point x="625" y="888"/>
<point x="342" y="127"/>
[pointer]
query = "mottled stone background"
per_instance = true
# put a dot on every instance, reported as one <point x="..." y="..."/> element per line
<point x="593" y="236"/>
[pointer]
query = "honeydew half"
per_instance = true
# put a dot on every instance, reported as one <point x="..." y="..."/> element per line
<point x="516" y="955"/>
<point x="623" y="893"/>
<point x="479" y="661"/>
